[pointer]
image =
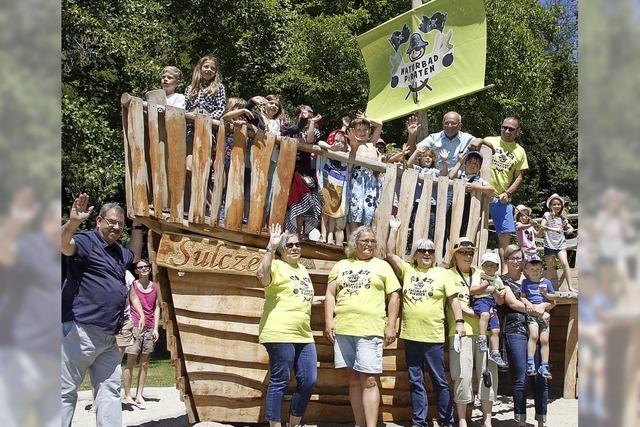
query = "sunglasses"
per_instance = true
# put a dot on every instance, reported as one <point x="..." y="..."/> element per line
<point x="143" y="267"/>
<point x="465" y="253"/>
<point x="509" y="128"/>
<point x="292" y="245"/>
<point x="429" y="251"/>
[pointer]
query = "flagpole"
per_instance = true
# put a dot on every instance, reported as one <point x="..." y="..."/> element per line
<point x="423" y="130"/>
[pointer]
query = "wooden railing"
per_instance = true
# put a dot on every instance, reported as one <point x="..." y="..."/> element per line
<point x="159" y="188"/>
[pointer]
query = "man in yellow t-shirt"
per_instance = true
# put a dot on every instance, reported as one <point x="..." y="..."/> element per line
<point x="507" y="166"/>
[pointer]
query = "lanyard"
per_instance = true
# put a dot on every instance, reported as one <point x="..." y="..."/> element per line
<point x="462" y="277"/>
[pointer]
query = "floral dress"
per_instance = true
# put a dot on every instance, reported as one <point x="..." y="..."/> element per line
<point x="364" y="197"/>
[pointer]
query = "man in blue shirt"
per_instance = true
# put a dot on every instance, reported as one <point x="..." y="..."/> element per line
<point x="451" y="138"/>
<point x="93" y="299"/>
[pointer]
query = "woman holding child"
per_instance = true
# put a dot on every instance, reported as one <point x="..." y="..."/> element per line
<point x="463" y="351"/>
<point x="516" y="337"/>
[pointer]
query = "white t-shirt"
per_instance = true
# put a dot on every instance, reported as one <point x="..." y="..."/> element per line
<point x="129" y="278"/>
<point x="176" y="100"/>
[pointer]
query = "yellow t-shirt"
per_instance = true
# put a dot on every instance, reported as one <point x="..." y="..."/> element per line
<point x="361" y="287"/>
<point x="508" y="158"/>
<point x="287" y="307"/>
<point x="470" y="322"/>
<point x="424" y="296"/>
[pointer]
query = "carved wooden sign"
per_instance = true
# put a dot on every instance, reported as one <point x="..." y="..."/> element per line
<point x="207" y="255"/>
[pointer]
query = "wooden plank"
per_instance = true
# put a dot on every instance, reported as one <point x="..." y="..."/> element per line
<point x="475" y="210"/>
<point x="441" y="217"/>
<point x="200" y="167"/>
<point x="407" y="197"/>
<point x="177" y="154"/>
<point x="127" y="163"/>
<point x="156" y="96"/>
<point x="203" y="254"/>
<point x="219" y="176"/>
<point x="192" y="411"/>
<point x="194" y="343"/>
<point x="139" y="179"/>
<point x="261" y="151"/>
<point x="457" y="209"/>
<point x="234" y="203"/>
<point x="423" y="213"/>
<point x="157" y="142"/>
<point x="282" y="180"/>
<point x="383" y="212"/>
<point x="571" y="355"/>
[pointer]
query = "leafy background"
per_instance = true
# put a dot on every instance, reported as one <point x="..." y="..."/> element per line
<point x="305" y="52"/>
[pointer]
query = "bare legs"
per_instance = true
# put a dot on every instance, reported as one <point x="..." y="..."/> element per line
<point x="365" y="398"/>
<point x="503" y="241"/>
<point x="127" y="375"/>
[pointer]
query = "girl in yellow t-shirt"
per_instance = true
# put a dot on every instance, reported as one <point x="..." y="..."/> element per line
<point x="285" y="326"/>
<point x="425" y="291"/>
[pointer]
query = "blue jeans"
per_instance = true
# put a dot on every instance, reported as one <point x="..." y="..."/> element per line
<point x="84" y="348"/>
<point x="283" y="357"/>
<point x="516" y="344"/>
<point x="417" y="354"/>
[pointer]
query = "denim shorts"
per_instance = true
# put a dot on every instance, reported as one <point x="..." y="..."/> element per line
<point x="542" y="326"/>
<point x="362" y="354"/>
<point x="502" y="216"/>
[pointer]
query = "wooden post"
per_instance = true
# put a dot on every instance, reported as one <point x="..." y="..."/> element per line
<point x="423" y="130"/>
<point x="571" y="355"/>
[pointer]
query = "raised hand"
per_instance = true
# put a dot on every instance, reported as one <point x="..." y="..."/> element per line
<point x="444" y="154"/>
<point x="316" y="118"/>
<point x="80" y="210"/>
<point x="346" y="120"/>
<point x="275" y="238"/>
<point x="394" y="222"/>
<point x="412" y="125"/>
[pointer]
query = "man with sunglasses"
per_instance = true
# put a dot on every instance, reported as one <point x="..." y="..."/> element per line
<point x="507" y="166"/>
<point x="93" y="300"/>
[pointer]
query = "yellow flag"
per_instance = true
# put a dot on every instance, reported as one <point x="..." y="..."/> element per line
<point x="425" y="57"/>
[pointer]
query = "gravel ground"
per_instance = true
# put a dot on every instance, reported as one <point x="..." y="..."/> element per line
<point x="164" y="409"/>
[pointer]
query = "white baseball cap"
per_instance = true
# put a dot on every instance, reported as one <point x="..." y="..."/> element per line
<point x="490" y="257"/>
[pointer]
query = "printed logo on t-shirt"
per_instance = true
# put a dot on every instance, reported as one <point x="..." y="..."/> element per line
<point x="503" y="160"/>
<point x="352" y="281"/>
<point x="302" y="287"/>
<point x="420" y="288"/>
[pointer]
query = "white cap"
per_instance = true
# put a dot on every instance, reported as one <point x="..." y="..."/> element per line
<point x="491" y="257"/>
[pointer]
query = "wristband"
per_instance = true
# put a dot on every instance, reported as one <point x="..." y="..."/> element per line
<point x="459" y="320"/>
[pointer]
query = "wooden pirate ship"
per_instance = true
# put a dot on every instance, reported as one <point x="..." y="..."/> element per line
<point x="205" y="266"/>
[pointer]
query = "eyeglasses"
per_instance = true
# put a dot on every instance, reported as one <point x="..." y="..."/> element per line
<point x="113" y="222"/>
<point x="465" y="253"/>
<point x="292" y="245"/>
<point x="451" y="123"/>
<point x="515" y="259"/>
<point x="429" y="251"/>
<point x="143" y="267"/>
<point x="509" y="128"/>
<point x="368" y="242"/>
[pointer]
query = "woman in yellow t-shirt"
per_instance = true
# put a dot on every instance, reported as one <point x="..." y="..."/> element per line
<point x="425" y="292"/>
<point x="285" y="326"/>
<point x="462" y="358"/>
<point x="356" y="295"/>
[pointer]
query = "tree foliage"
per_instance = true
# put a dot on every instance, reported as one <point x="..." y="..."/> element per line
<point x="305" y="52"/>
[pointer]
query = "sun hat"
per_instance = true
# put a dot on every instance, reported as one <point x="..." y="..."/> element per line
<point x="521" y="209"/>
<point x="490" y="257"/>
<point x="554" y="196"/>
<point x="463" y="243"/>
